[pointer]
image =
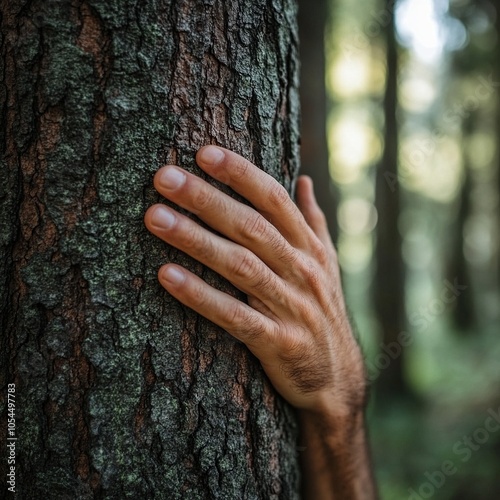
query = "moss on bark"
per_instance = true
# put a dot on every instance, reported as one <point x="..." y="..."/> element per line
<point x="122" y="392"/>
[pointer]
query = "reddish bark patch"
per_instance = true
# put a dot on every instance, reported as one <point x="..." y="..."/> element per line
<point x="77" y="369"/>
<point x="36" y="227"/>
<point x="92" y="39"/>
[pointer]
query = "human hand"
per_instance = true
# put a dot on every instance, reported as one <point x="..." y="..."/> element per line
<point x="279" y="254"/>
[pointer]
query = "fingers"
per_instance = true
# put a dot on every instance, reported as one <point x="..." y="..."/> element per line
<point x="278" y="253"/>
<point x="234" y="316"/>
<point x="237" y="221"/>
<point x="311" y="211"/>
<point x="236" y="263"/>
<point x="268" y="196"/>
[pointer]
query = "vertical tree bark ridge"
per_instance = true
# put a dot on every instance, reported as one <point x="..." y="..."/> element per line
<point x="121" y="391"/>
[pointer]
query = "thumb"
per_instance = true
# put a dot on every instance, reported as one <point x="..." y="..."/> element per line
<point x="314" y="216"/>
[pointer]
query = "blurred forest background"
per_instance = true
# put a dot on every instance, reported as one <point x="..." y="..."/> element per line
<point x="401" y="133"/>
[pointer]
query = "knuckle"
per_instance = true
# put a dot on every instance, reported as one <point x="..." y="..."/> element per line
<point x="234" y="318"/>
<point x="190" y="236"/>
<point x="196" y="243"/>
<point x="321" y="254"/>
<point x="198" y="296"/>
<point x="289" y="346"/>
<point x="257" y="228"/>
<point x="278" y="195"/>
<point x="311" y="275"/>
<point x="240" y="169"/>
<point x="252" y="329"/>
<point x="287" y="253"/>
<point x="243" y="324"/>
<point x="204" y="198"/>
<point x="245" y="266"/>
<point x="254" y="227"/>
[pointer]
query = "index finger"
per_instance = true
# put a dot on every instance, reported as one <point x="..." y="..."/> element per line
<point x="267" y="195"/>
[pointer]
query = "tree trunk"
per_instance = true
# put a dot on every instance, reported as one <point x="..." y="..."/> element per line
<point x="464" y="312"/>
<point x="389" y="278"/>
<point x="496" y="3"/>
<point x="314" y="152"/>
<point x="121" y="392"/>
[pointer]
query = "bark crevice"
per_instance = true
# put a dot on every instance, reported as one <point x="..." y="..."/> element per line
<point x="122" y="392"/>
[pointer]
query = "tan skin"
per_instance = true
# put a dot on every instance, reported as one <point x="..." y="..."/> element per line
<point x="280" y="254"/>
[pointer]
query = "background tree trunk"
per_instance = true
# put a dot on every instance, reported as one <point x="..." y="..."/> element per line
<point x="464" y="313"/>
<point x="120" y="391"/>
<point x="313" y="15"/>
<point x="496" y="3"/>
<point x="388" y="286"/>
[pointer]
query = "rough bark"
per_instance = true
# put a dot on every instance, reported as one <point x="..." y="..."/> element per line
<point x="389" y="277"/>
<point x="120" y="391"/>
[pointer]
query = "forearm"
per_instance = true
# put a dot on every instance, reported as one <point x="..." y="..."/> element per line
<point x="335" y="458"/>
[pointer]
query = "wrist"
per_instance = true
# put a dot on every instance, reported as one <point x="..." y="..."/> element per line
<point x="337" y="412"/>
<point x="345" y="398"/>
<point x="338" y="424"/>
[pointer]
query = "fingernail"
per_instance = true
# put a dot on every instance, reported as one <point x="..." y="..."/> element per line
<point x="211" y="155"/>
<point x="162" y="218"/>
<point x="173" y="275"/>
<point x="172" y="178"/>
